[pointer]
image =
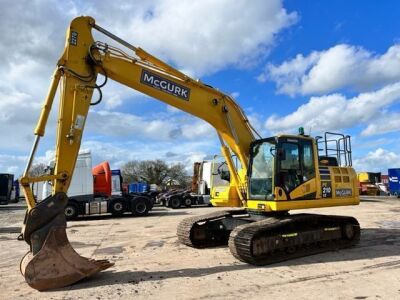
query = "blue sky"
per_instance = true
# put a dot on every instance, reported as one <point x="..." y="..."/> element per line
<point x="324" y="65"/>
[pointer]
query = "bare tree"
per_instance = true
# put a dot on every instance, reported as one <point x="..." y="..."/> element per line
<point x="37" y="170"/>
<point x="153" y="171"/>
<point x="130" y="171"/>
<point x="179" y="174"/>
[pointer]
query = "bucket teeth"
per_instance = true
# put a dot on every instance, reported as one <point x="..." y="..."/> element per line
<point x="57" y="264"/>
<point x="52" y="263"/>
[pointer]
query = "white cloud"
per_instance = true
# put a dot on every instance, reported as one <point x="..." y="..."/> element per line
<point x="388" y="122"/>
<point x="379" y="160"/>
<point x="341" y="66"/>
<point x="12" y="164"/>
<point x="235" y="95"/>
<point x="119" y="153"/>
<point x="256" y="122"/>
<point x="117" y="124"/>
<point x="163" y="126"/>
<point x="173" y="109"/>
<point x="199" y="130"/>
<point x="334" y="112"/>
<point x="200" y="37"/>
<point x="18" y="114"/>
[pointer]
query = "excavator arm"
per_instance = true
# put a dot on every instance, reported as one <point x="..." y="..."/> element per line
<point x="51" y="261"/>
<point x="76" y="72"/>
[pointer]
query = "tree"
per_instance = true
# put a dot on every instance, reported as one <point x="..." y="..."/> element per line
<point x="153" y="171"/>
<point x="130" y="171"/>
<point x="37" y="170"/>
<point x="179" y="174"/>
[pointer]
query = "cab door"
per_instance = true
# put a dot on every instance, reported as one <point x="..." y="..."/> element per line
<point x="295" y="167"/>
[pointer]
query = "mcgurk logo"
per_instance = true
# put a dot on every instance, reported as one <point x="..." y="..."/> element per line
<point x="164" y="85"/>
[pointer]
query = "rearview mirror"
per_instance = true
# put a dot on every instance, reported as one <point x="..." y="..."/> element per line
<point x="272" y="150"/>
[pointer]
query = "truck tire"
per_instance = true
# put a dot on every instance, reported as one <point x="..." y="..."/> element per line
<point x="140" y="206"/>
<point x="71" y="211"/>
<point x="187" y="201"/>
<point x="117" y="207"/>
<point x="175" y="202"/>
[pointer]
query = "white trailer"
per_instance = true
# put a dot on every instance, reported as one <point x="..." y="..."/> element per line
<point x="84" y="197"/>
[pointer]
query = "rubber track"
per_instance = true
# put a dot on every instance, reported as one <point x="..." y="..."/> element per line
<point x="240" y="240"/>
<point x="185" y="227"/>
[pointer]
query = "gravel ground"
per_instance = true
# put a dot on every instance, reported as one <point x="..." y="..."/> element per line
<point x="150" y="264"/>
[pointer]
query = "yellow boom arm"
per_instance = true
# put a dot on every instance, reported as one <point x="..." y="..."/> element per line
<point x="83" y="59"/>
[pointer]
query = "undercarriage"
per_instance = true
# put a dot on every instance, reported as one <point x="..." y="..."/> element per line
<point x="262" y="239"/>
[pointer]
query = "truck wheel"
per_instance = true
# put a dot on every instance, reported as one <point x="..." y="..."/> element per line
<point x="71" y="211"/>
<point x="117" y="208"/>
<point x="140" y="206"/>
<point x="188" y="201"/>
<point x="175" y="202"/>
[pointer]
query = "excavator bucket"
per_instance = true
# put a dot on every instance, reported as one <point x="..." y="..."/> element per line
<point x="52" y="262"/>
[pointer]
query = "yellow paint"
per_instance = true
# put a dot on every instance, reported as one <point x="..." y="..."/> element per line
<point x="306" y="188"/>
<point x="225" y="196"/>
<point x="279" y="194"/>
<point x="300" y="204"/>
<point x="363" y="177"/>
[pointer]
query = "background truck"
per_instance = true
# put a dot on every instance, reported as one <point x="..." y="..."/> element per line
<point x="394" y="184"/>
<point x="6" y="187"/>
<point x="368" y="183"/>
<point x="99" y="191"/>
<point x="199" y="193"/>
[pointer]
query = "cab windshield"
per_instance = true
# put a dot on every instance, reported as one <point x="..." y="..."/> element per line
<point x="262" y="171"/>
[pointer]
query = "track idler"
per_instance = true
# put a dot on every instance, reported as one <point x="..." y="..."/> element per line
<point x="51" y="262"/>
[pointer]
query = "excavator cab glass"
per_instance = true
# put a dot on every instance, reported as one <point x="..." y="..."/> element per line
<point x="296" y="166"/>
<point x="261" y="171"/>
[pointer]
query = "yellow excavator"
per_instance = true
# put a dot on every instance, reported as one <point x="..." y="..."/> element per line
<point x="272" y="176"/>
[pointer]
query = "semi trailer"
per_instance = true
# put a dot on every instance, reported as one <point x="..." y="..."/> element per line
<point x="394" y="184"/>
<point x="206" y="178"/>
<point x="98" y="190"/>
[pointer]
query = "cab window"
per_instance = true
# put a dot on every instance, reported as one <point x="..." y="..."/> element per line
<point x="308" y="161"/>
<point x="290" y="158"/>
<point x="290" y="171"/>
<point x="296" y="164"/>
<point x="262" y="171"/>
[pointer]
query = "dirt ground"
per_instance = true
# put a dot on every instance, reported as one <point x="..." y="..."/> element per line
<point x="150" y="264"/>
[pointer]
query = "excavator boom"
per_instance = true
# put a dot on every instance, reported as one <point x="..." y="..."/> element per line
<point x="51" y="261"/>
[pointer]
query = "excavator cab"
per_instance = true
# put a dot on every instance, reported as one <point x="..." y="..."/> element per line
<point x="280" y="164"/>
<point x="291" y="167"/>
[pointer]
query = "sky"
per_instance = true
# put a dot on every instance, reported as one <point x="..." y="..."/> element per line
<point x="322" y="65"/>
